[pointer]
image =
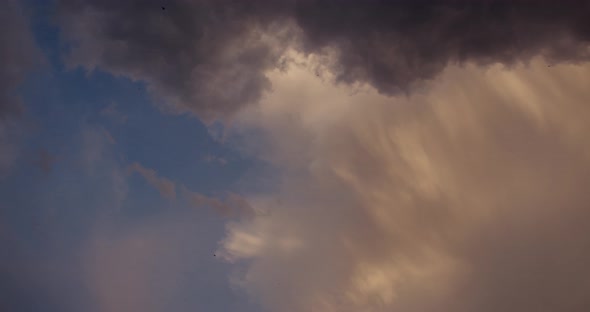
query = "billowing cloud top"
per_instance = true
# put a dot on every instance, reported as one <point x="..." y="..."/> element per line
<point x="210" y="57"/>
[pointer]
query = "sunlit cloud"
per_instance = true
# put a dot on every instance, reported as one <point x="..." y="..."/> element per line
<point x="466" y="196"/>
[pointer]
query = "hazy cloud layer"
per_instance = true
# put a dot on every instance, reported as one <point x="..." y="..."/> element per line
<point x="18" y="55"/>
<point x="210" y="57"/>
<point x="471" y="196"/>
<point x="44" y="221"/>
<point x="44" y="160"/>
<point x="10" y="131"/>
<point x="139" y="268"/>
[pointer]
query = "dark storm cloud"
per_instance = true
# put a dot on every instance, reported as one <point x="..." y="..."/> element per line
<point x="393" y="44"/>
<point x="210" y="56"/>
<point x="207" y="57"/>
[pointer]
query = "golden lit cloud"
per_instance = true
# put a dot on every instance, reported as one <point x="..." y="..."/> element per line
<point x="467" y="195"/>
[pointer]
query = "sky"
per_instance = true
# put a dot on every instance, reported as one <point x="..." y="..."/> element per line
<point x="294" y="155"/>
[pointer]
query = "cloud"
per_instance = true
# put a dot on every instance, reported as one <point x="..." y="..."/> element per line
<point x="195" y="55"/>
<point x="166" y="187"/>
<point x="114" y="114"/>
<point x="230" y="205"/>
<point x="394" y="44"/>
<point x="10" y="132"/>
<point x="55" y="214"/>
<point x="465" y="190"/>
<point x="161" y="263"/>
<point x="215" y="159"/>
<point x="18" y="55"/>
<point x="45" y="160"/>
<point x="133" y="270"/>
<point x="210" y="57"/>
<point x="468" y="196"/>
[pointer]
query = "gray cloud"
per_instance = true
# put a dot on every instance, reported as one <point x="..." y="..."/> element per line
<point x="393" y="44"/>
<point x="203" y="56"/>
<point x="210" y="57"/>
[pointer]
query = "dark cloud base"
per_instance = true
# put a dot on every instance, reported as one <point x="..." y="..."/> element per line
<point x="210" y="57"/>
